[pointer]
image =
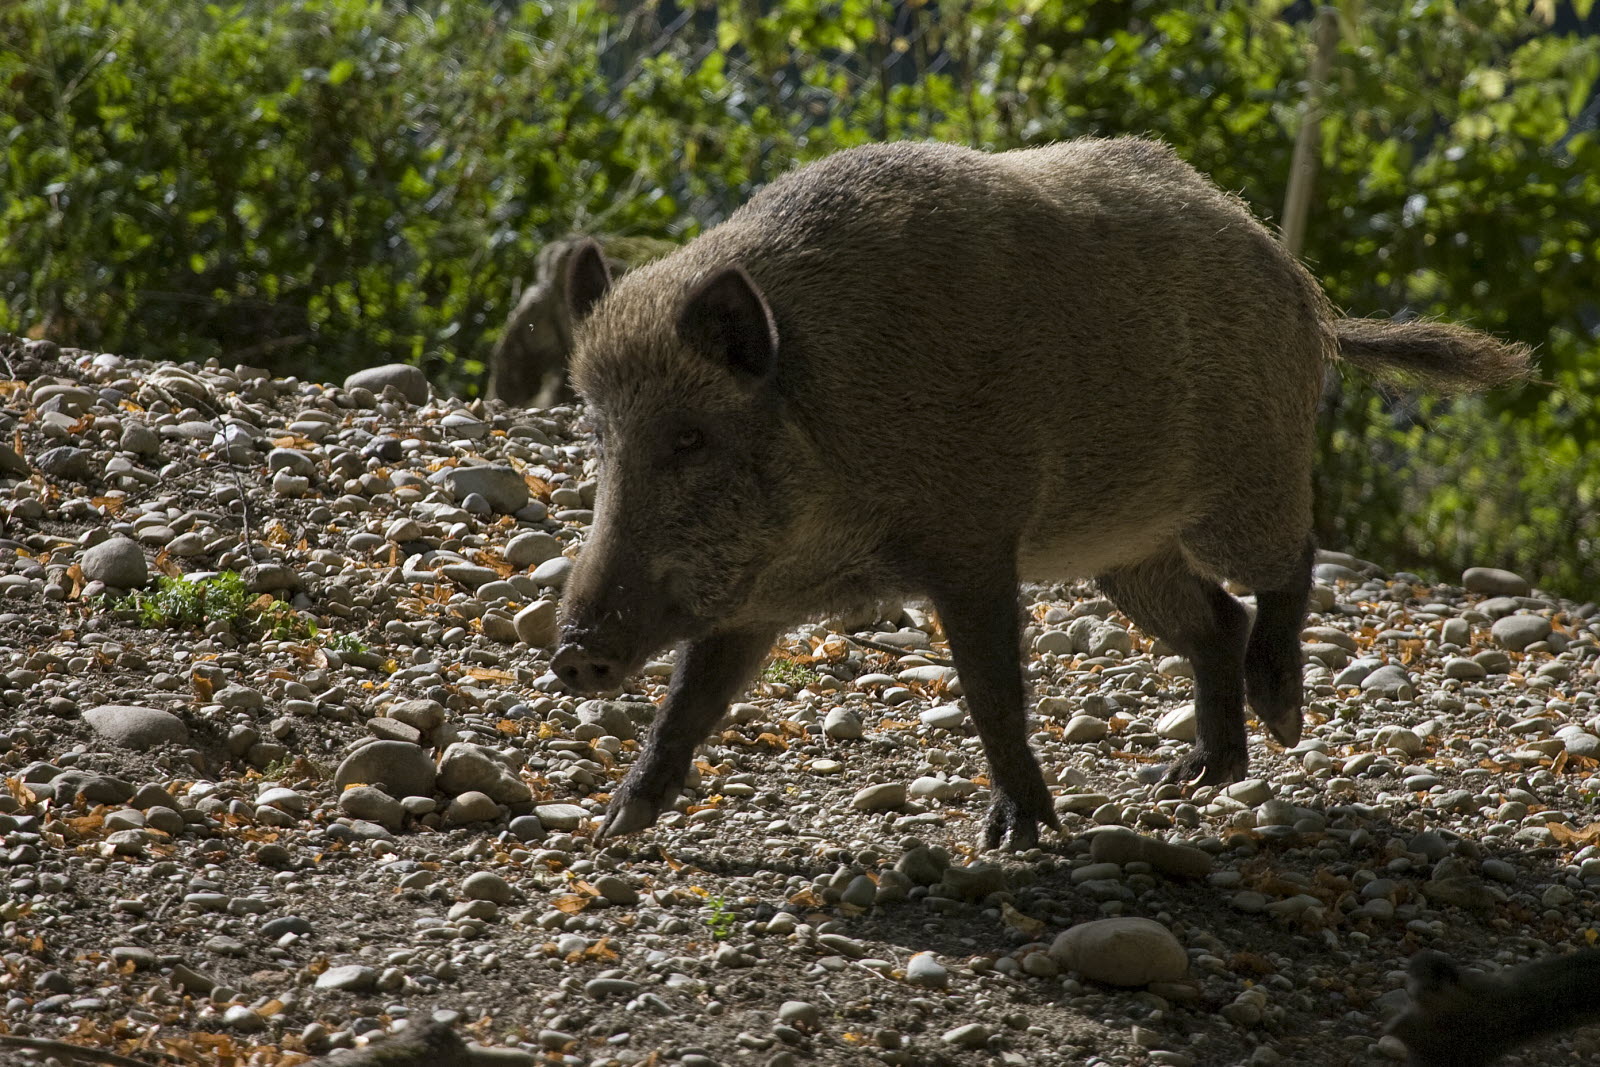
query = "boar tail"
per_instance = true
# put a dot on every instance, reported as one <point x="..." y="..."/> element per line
<point x="1432" y="355"/>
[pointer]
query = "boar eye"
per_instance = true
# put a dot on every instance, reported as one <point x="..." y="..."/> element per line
<point x="688" y="441"/>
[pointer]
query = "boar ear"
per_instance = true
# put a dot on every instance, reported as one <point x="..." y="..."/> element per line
<point x="727" y="318"/>
<point x="588" y="278"/>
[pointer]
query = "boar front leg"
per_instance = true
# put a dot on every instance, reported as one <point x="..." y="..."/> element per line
<point x="982" y="625"/>
<point x="711" y="671"/>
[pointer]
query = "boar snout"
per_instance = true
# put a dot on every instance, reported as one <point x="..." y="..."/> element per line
<point x="585" y="671"/>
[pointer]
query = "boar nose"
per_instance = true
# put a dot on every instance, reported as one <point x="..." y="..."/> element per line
<point x="584" y="671"/>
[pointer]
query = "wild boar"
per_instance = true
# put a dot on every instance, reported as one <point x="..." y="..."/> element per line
<point x="919" y="369"/>
<point x="528" y="364"/>
<point x="1457" y="1019"/>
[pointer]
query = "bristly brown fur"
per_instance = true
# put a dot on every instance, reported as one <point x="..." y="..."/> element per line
<point x="1457" y="1019"/>
<point x="1113" y="355"/>
<point x="1432" y="355"/>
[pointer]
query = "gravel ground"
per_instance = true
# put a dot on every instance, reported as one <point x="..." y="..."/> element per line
<point x="198" y="867"/>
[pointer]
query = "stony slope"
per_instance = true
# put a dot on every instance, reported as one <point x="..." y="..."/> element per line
<point x="213" y="877"/>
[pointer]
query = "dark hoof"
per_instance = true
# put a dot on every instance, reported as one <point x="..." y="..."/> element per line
<point x="1013" y="828"/>
<point x="1275" y="697"/>
<point x="1284" y="726"/>
<point x="1201" y="767"/>
<point x="627" y="814"/>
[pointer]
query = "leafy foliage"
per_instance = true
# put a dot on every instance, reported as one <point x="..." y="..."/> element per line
<point x="224" y="600"/>
<point x="316" y="185"/>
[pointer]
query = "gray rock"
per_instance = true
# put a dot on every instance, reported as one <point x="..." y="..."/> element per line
<point x="292" y="460"/>
<point x="1251" y="791"/>
<point x="117" y="562"/>
<point x="1124" y="951"/>
<point x="971" y="1035"/>
<point x="66" y="463"/>
<point x="486" y="885"/>
<point x="841" y="724"/>
<point x="879" y="797"/>
<point x="502" y="487"/>
<point x="536" y="624"/>
<point x="401" y="770"/>
<point x="1464" y="669"/>
<point x="944" y="717"/>
<point x="924" y="969"/>
<point x="600" y="988"/>
<point x="1390" y="680"/>
<point x="1085" y="728"/>
<point x="132" y="726"/>
<point x="611" y="716"/>
<point x="470" y="575"/>
<point x="471" y="807"/>
<point x="922" y="865"/>
<point x="271" y="578"/>
<point x="409" y="380"/>
<point x="467" y="768"/>
<point x="552" y="573"/>
<point x="353" y="978"/>
<point x="1179" y="724"/>
<point x="1357" y="672"/>
<point x="1120" y="845"/>
<point x="975" y="881"/>
<point x="1517" y="632"/>
<point x="1490" y="581"/>
<point x="422" y="715"/>
<point x="368" y="802"/>
<point x="799" y="1013"/>
<point x="561" y="816"/>
<point x="532" y="548"/>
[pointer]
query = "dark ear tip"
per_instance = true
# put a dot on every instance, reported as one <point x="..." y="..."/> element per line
<point x="588" y="277"/>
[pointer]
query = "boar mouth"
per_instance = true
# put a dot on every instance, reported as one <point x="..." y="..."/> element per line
<point x="595" y="659"/>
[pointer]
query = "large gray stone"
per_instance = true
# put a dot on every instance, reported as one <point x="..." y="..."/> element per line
<point x="1517" y="632"/>
<point x="117" y="562"/>
<point x="502" y="487"/>
<point x="468" y="768"/>
<point x="1389" y="680"/>
<point x="402" y="770"/>
<point x="1491" y="581"/>
<point x="1124" y="951"/>
<point x="132" y="726"/>
<point x="411" y="382"/>
<point x="536" y="624"/>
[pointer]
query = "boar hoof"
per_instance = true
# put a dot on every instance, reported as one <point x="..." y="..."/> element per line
<point x="1015" y="829"/>
<point x="627" y="815"/>
<point x="1284" y="728"/>
<point x="1202" y="767"/>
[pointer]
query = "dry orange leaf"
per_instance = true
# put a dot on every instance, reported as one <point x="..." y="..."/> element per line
<point x="570" y="903"/>
<point x="1581" y="838"/>
<point x="490" y="674"/>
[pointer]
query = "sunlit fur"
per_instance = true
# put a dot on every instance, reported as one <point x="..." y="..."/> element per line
<point x="1083" y="356"/>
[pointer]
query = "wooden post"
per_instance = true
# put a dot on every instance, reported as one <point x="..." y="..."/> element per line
<point x="1308" y="143"/>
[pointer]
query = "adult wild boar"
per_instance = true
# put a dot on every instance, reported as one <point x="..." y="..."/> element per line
<point x="1108" y="362"/>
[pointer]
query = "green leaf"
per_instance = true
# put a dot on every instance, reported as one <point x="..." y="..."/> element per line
<point x="340" y="72"/>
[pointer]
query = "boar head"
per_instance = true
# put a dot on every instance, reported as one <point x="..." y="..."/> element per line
<point x="679" y="375"/>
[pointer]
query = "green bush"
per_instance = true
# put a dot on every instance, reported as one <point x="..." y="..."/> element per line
<point x="317" y="185"/>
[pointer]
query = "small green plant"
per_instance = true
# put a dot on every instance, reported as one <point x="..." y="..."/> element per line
<point x="184" y="603"/>
<point x="788" y="672"/>
<point x="345" y="644"/>
<point x="720" y="920"/>
<point x="281" y="622"/>
<point x="180" y="602"/>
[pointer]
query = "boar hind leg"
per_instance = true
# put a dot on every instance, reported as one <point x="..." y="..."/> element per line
<point x="710" y="673"/>
<point x="981" y="622"/>
<point x="1272" y="659"/>
<point x="1167" y="599"/>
